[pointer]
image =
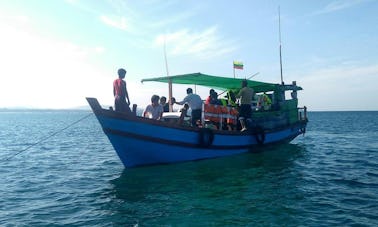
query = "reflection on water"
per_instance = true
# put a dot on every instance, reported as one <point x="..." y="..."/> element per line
<point x="141" y="179"/>
<point x="176" y="192"/>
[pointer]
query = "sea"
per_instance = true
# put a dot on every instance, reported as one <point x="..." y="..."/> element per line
<point x="57" y="168"/>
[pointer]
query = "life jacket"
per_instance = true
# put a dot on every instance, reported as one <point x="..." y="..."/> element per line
<point x="223" y="101"/>
<point x="266" y="100"/>
<point x="212" y="112"/>
<point x="218" y="113"/>
<point x="232" y="116"/>
<point x="231" y="102"/>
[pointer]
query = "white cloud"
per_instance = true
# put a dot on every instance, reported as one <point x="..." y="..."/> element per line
<point x="99" y="49"/>
<point x="44" y="73"/>
<point x="339" y="5"/>
<point x="341" y="88"/>
<point x="172" y="19"/>
<point x="203" y="44"/>
<point x="118" y="22"/>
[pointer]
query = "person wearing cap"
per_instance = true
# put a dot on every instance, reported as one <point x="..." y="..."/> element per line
<point x="121" y="96"/>
<point x="195" y="103"/>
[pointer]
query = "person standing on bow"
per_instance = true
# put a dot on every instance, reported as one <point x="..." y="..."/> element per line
<point x="195" y="103"/>
<point x="245" y="94"/>
<point x="121" y="96"/>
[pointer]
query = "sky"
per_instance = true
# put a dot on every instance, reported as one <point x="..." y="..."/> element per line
<point x="55" y="53"/>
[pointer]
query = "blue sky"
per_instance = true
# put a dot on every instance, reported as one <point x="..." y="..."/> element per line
<point x="56" y="53"/>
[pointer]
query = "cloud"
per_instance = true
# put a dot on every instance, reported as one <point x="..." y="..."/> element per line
<point x="341" y="88"/>
<point x="202" y="44"/>
<point x="41" y="72"/>
<point x="339" y="5"/>
<point x="145" y="24"/>
<point x="172" y="19"/>
<point x="118" y="22"/>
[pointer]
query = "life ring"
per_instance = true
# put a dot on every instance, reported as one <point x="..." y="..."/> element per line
<point x="205" y="137"/>
<point x="259" y="134"/>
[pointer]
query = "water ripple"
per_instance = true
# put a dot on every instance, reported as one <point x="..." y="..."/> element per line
<point x="327" y="178"/>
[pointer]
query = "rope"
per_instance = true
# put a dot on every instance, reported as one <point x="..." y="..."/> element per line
<point x="46" y="138"/>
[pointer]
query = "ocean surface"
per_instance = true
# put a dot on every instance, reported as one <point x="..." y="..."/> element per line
<point x="58" y="168"/>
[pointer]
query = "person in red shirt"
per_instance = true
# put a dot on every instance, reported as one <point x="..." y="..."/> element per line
<point x="121" y="96"/>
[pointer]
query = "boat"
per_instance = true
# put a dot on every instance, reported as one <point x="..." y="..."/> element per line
<point x="141" y="141"/>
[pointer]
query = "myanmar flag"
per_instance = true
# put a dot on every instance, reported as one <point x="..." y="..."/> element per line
<point x="238" y="65"/>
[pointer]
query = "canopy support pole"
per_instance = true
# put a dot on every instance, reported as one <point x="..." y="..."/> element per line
<point x="170" y="80"/>
<point x="170" y="95"/>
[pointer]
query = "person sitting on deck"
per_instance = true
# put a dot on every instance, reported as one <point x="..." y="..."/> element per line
<point x="213" y="98"/>
<point x="154" y="110"/>
<point x="184" y="113"/>
<point x="163" y="102"/>
<point x="208" y="100"/>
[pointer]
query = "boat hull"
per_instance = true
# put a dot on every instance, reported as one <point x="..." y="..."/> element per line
<point x="139" y="141"/>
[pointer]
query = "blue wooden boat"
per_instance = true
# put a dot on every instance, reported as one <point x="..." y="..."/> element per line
<point x="141" y="141"/>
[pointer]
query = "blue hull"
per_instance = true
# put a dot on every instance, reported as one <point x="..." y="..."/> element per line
<point x="140" y="141"/>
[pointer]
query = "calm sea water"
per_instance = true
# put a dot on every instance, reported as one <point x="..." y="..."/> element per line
<point x="329" y="177"/>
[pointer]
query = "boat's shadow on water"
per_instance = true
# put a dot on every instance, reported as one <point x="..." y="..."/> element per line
<point x="238" y="189"/>
<point x="137" y="184"/>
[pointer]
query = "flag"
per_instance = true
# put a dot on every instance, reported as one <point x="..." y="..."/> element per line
<point x="238" y="65"/>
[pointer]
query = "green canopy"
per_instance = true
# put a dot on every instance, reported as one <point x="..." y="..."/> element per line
<point x="219" y="82"/>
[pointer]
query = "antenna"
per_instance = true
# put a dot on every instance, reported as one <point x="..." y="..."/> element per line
<point x="253" y="75"/>
<point x="279" y="32"/>
<point x="165" y="56"/>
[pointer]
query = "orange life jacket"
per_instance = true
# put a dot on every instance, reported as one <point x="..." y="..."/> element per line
<point x="233" y="116"/>
<point x="211" y="112"/>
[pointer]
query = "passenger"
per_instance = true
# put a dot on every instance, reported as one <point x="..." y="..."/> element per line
<point x="245" y="94"/>
<point x="266" y="101"/>
<point x="165" y="105"/>
<point x="184" y="111"/>
<point x="195" y="103"/>
<point x="294" y="95"/>
<point x="231" y="98"/>
<point x="208" y="100"/>
<point x="121" y="96"/>
<point x="154" y="110"/>
<point x="214" y="99"/>
<point x="223" y="102"/>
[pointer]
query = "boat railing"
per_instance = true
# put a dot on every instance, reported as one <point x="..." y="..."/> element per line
<point x="219" y="114"/>
<point x="302" y="116"/>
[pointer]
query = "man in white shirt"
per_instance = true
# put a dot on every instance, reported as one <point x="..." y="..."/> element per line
<point x="195" y="103"/>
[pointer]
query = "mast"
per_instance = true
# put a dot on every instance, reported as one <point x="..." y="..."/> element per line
<point x="170" y="81"/>
<point x="233" y="67"/>
<point x="279" y="32"/>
